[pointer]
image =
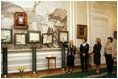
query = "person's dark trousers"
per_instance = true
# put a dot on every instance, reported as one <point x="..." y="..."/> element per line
<point x="63" y="57"/>
<point x="82" y="63"/>
<point x="84" y="60"/>
<point x="109" y="62"/>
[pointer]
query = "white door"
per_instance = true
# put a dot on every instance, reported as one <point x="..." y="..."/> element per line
<point x="99" y="29"/>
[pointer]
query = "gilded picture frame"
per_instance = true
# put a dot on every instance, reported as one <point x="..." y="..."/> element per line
<point x="6" y="35"/>
<point x="82" y="31"/>
<point x="20" y="20"/>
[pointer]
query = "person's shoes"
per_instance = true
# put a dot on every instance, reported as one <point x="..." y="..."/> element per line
<point x="67" y="71"/>
<point x="97" y="72"/>
<point x="109" y="73"/>
<point x="86" y="70"/>
<point x="70" y="71"/>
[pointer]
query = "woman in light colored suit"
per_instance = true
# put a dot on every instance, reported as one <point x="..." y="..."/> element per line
<point x="109" y="53"/>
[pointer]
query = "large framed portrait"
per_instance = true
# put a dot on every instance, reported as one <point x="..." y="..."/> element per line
<point x="47" y="38"/>
<point x="20" y="39"/>
<point x="63" y="35"/>
<point x="82" y="31"/>
<point x="34" y="36"/>
<point x="6" y="35"/>
<point x="20" y="20"/>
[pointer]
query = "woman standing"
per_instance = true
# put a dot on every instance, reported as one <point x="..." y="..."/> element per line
<point x="97" y="55"/>
<point x="109" y="54"/>
<point x="84" y="48"/>
<point x="70" y="56"/>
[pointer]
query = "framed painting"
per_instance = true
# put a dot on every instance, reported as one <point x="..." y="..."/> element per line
<point x="115" y="34"/>
<point x="63" y="35"/>
<point x="47" y="38"/>
<point x="20" y="39"/>
<point x="6" y="35"/>
<point x="82" y="31"/>
<point x="34" y="36"/>
<point x="20" y="20"/>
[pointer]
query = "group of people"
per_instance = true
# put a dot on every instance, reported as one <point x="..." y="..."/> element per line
<point x="109" y="54"/>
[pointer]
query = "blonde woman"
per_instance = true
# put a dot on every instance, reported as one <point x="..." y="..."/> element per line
<point x="97" y="55"/>
<point x="70" y="56"/>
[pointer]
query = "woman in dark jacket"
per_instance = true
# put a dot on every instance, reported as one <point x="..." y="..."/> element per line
<point x="84" y="48"/>
<point x="97" y="55"/>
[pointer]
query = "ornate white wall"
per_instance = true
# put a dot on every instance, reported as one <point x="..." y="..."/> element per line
<point x="84" y="12"/>
<point x="100" y="18"/>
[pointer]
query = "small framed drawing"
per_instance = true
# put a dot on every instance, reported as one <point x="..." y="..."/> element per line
<point x="20" y="39"/>
<point x="20" y="20"/>
<point x="63" y="35"/>
<point x="6" y="35"/>
<point x="82" y="31"/>
<point x="34" y="36"/>
<point x="47" y="38"/>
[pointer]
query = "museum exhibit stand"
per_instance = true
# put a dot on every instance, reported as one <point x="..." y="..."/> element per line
<point x="34" y="59"/>
<point x="5" y="65"/>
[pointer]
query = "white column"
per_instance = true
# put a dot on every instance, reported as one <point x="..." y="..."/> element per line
<point x="70" y="32"/>
<point x="73" y="23"/>
<point x="76" y="24"/>
<point x="68" y="14"/>
<point x="88" y="25"/>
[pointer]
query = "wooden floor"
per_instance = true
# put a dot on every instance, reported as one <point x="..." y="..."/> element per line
<point x="50" y="73"/>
